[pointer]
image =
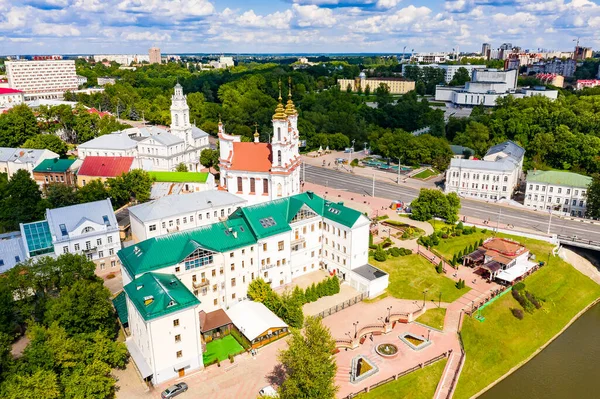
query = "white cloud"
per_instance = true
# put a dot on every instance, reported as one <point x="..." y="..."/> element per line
<point x="179" y="9"/>
<point x="43" y="29"/>
<point x="91" y="5"/>
<point x="387" y="4"/>
<point x="146" y="36"/>
<point x="277" y="20"/>
<point x="15" y="18"/>
<point x="313" y="16"/>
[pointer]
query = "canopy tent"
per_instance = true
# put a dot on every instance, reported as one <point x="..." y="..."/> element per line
<point x="254" y="319"/>
<point x="518" y="270"/>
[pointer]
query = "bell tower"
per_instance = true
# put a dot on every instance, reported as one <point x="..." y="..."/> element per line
<point x="180" y="116"/>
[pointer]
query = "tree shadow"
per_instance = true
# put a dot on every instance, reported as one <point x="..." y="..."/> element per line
<point x="277" y="375"/>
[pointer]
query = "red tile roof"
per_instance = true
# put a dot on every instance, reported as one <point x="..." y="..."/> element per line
<point x="105" y="166"/>
<point x="101" y="114"/>
<point x="251" y="157"/>
<point x="4" y="90"/>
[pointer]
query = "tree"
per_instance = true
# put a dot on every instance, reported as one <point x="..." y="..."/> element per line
<point x="380" y="255"/>
<point x="7" y="311"/>
<point x="134" y="185"/>
<point x="60" y="194"/>
<point x="259" y="290"/>
<point x="42" y="384"/>
<point x="593" y="198"/>
<point x="308" y="364"/>
<point x="434" y="203"/>
<point x="367" y="91"/>
<point x="21" y="201"/>
<point x="181" y="167"/>
<point x="440" y="268"/>
<point x="83" y="307"/>
<point x="383" y="96"/>
<point x="209" y="158"/>
<point x="47" y="142"/>
<point x="92" y="191"/>
<point x="476" y="136"/>
<point x="17" y="125"/>
<point x="461" y="76"/>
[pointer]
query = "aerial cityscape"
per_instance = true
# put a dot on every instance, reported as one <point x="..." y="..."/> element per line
<point x="299" y="199"/>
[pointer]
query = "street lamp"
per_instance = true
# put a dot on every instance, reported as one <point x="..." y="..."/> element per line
<point x="424" y="292"/>
<point x="389" y="309"/>
<point x="428" y="335"/>
<point x="440" y="300"/>
<point x="355" y="329"/>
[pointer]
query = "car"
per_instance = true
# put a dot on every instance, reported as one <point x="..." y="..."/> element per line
<point x="174" y="390"/>
<point x="268" y="392"/>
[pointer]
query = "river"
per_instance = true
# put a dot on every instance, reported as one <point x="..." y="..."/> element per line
<point x="567" y="368"/>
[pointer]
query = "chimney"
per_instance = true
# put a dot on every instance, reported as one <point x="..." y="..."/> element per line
<point x="234" y="234"/>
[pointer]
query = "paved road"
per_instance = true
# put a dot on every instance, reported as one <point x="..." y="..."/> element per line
<point x="536" y="221"/>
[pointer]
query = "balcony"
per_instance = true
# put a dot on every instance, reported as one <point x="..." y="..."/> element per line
<point x="203" y="283"/>
<point x="298" y="240"/>
<point x="267" y="267"/>
<point x="90" y="250"/>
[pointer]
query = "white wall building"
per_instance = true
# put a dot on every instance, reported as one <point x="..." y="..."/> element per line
<point x="90" y="229"/>
<point x="10" y="97"/>
<point x="12" y="251"/>
<point x="260" y="172"/>
<point x="156" y="148"/>
<point x="563" y="192"/>
<point x="486" y="86"/>
<point x="14" y="159"/>
<point x="123" y="59"/>
<point x="181" y="212"/>
<point x="42" y="79"/>
<point x="494" y="177"/>
<point x="450" y="70"/>
<point x="431" y="58"/>
<point x="106" y="80"/>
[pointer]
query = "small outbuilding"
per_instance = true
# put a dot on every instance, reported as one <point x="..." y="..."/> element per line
<point x="257" y="322"/>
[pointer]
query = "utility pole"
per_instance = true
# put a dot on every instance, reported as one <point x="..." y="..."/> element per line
<point x="549" y="219"/>
<point x="399" y="167"/>
<point x="350" y="154"/>
<point x="303" y="171"/>
<point x="373" y="195"/>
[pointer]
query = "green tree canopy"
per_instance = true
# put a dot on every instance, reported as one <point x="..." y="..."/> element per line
<point x="461" y="76"/>
<point x="94" y="190"/>
<point x="209" y="158"/>
<point x="47" y="142"/>
<point x="134" y="185"/>
<point x="593" y="198"/>
<point x="60" y="194"/>
<point x="20" y="200"/>
<point x="434" y="203"/>
<point x="17" y="125"/>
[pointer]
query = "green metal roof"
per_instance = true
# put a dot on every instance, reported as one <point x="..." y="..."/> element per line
<point x="243" y="228"/>
<point x="54" y="165"/>
<point x="558" y="178"/>
<point x="120" y="305"/>
<point x="180" y="177"/>
<point x="155" y="295"/>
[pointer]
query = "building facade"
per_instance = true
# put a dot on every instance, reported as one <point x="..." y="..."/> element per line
<point x="260" y="172"/>
<point x="123" y="59"/>
<point x="492" y="178"/>
<point x="154" y="56"/>
<point x="12" y="251"/>
<point x="563" y="192"/>
<point x="90" y="229"/>
<point x="14" y="159"/>
<point x="56" y="170"/>
<point x="395" y="85"/>
<point x="42" y="79"/>
<point x="175" y="213"/>
<point x="450" y="70"/>
<point x="10" y="97"/>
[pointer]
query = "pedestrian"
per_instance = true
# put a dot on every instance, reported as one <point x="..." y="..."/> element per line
<point x="371" y="337"/>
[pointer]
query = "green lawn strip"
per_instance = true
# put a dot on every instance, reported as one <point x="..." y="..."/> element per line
<point x="433" y="317"/>
<point x="439" y="224"/>
<point x="221" y="349"/>
<point x="424" y="174"/>
<point x="420" y="384"/>
<point x="452" y="245"/>
<point x="502" y="341"/>
<point x="411" y="274"/>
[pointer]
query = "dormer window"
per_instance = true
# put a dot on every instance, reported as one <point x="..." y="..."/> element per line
<point x="87" y="230"/>
<point x="148" y="300"/>
<point x="106" y="221"/>
<point x="63" y="229"/>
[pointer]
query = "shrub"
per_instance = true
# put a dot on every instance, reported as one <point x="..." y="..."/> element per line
<point x="387" y="243"/>
<point x="533" y="299"/>
<point x="519" y="286"/>
<point x="395" y="252"/>
<point x="483" y="231"/>
<point x="380" y="255"/>
<point x="231" y="358"/>
<point x="440" y="268"/>
<point x="458" y="232"/>
<point x="241" y="339"/>
<point x="208" y="338"/>
<point x="218" y="362"/>
<point x="523" y="301"/>
<point x="460" y="284"/>
<point x="444" y="236"/>
<point x="460" y="226"/>
<point x="480" y="242"/>
<point x="405" y="251"/>
<point x="405" y="235"/>
<point x="518" y="313"/>
<point x="371" y="253"/>
<point x="110" y="276"/>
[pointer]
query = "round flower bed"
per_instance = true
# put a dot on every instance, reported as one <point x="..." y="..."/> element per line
<point x="388" y="351"/>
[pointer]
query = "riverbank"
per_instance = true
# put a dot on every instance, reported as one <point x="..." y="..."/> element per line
<point x="501" y="344"/>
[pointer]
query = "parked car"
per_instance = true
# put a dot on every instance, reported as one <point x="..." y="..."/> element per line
<point x="268" y="392"/>
<point x="174" y="390"/>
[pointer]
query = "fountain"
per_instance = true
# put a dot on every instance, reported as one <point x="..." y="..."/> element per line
<point x="388" y="351"/>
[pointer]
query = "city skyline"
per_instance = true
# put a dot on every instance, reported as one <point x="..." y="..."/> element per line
<point x="284" y="26"/>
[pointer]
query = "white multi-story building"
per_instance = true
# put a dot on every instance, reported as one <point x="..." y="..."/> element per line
<point x="14" y="159"/>
<point x="450" y="70"/>
<point x="90" y="229"/>
<point x="123" y="59"/>
<point x="12" y="251"/>
<point x="106" y="80"/>
<point x="487" y="86"/>
<point x="42" y="79"/>
<point x="276" y="241"/>
<point x="563" y="192"/>
<point x="494" y="177"/>
<point x="81" y="80"/>
<point x="181" y="212"/>
<point x="10" y="97"/>
<point x="155" y="148"/>
<point x="431" y="58"/>
<point x="260" y="172"/>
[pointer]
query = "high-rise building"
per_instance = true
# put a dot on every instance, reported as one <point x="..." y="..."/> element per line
<point x="42" y="79"/>
<point x="154" y="54"/>
<point x="485" y="50"/>
<point x="582" y="53"/>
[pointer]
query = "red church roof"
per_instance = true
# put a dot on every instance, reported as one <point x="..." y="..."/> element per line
<point x="105" y="166"/>
<point x="251" y="157"/>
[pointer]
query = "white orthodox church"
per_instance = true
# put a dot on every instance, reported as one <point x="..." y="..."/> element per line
<point x="153" y="147"/>
<point x="261" y="172"/>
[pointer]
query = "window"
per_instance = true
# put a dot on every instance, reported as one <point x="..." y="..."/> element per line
<point x="265" y="186"/>
<point x="176" y="323"/>
<point x="111" y="251"/>
<point x="179" y="353"/>
<point x="170" y="223"/>
<point x="505" y="179"/>
<point x="102" y="266"/>
<point x="76" y="246"/>
<point x="264" y="246"/>
<point x="537" y="187"/>
<point x="551" y="189"/>
<point x="99" y="241"/>
<point x="101" y="254"/>
<point x="90" y="256"/>
<point x="243" y="279"/>
<point x="194" y="278"/>
<point x="239" y="184"/>
<point x="88" y="245"/>
<point x="109" y="239"/>
<point x="252" y="185"/>
<point x="215" y="302"/>
<point x="215" y="288"/>
<point x="559" y="190"/>
<point x="105" y="219"/>
<point x="191" y="218"/>
<point x="198" y="258"/>
<point x="214" y="273"/>
<point x="152" y="227"/>
<point x="233" y="296"/>
<point x="252" y="276"/>
<point x="184" y="220"/>
<point x="113" y="263"/>
<point x="280" y="245"/>
<point x="279" y="157"/>
<point x="178" y="338"/>
<point x="574" y="202"/>
<point x="65" y="250"/>
<point x="177" y="269"/>
<point x="17" y="258"/>
<point x="63" y="229"/>
<point x="164" y="225"/>
<point x="233" y="267"/>
<point x="177" y="221"/>
<point x="568" y="191"/>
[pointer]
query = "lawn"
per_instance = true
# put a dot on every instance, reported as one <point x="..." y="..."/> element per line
<point x="221" y="349"/>
<point x="424" y="174"/>
<point x="411" y="274"/>
<point x="420" y="384"/>
<point x="501" y="342"/>
<point x="433" y="317"/>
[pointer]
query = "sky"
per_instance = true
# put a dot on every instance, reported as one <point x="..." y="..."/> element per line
<point x="292" y="26"/>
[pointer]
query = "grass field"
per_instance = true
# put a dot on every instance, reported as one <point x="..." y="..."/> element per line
<point x="221" y="349"/>
<point x="433" y="317"/>
<point x="424" y="174"/>
<point x="410" y="275"/>
<point x="420" y="384"/>
<point x="502" y="341"/>
<point x="449" y="246"/>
